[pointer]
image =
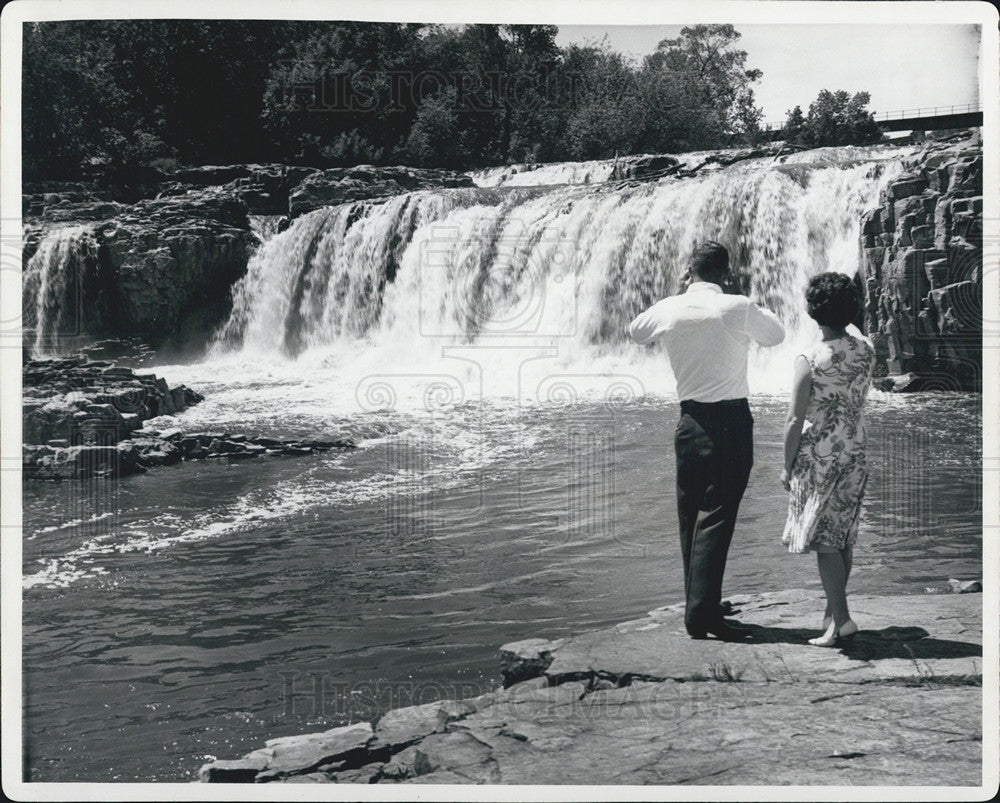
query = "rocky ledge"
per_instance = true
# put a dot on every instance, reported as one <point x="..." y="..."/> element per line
<point x="83" y="418"/>
<point x="923" y="269"/>
<point x="641" y="703"/>
<point x="364" y="182"/>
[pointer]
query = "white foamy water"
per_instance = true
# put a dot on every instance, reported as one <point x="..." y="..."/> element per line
<point x="52" y="291"/>
<point x="461" y="295"/>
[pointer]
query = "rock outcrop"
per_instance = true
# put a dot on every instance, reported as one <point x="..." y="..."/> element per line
<point x="82" y="418"/>
<point x="76" y="414"/>
<point x="161" y="269"/>
<point x="923" y="258"/>
<point x="341" y="184"/>
<point x="264" y="189"/>
<point x="641" y="703"/>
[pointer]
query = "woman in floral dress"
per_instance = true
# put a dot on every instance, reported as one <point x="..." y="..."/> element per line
<point x="825" y="469"/>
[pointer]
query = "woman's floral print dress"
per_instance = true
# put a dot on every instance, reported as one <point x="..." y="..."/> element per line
<point x="830" y="472"/>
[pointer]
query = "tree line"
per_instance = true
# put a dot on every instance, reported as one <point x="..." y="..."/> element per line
<point x="127" y="96"/>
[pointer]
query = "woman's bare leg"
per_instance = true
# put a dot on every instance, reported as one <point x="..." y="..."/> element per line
<point x="833" y="576"/>
<point x="847" y="556"/>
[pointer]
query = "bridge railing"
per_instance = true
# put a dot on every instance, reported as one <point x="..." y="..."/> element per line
<point x="929" y="111"/>
<point x="903" y="114"/>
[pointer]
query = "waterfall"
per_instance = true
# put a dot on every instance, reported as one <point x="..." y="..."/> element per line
<point x="54" y="285"/>
<point x="401" y="282"/>
<point x="264" y="226"/>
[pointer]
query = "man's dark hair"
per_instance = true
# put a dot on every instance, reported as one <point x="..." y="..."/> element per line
<point x="832" y="299"/>
<point x="710" y="262"/>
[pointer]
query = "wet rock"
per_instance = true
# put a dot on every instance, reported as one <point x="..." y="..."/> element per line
<point x="363" y="182"/>
<point x="965" y="586"/>
<point x="79" y="462"/>
<point x="159" y="269"/>
<point x="93" y="404"/>
<point x="907" y="694"/>
<point x="645" y="167"/>
<point x="907" y="186"/>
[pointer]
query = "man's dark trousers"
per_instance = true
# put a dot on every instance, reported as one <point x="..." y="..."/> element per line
<point x="714" y="447"/>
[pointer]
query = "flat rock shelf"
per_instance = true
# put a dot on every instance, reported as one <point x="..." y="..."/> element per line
<point x="641" y="703"/>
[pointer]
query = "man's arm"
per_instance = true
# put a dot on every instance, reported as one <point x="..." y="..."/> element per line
<point x="763" y="326"/>
<point x="646" y="326"/>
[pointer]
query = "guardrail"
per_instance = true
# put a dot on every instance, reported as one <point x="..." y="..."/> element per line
<point x="904" y="114"/>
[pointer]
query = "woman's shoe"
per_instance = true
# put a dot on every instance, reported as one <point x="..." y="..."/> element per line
<point x="839" y="638"/>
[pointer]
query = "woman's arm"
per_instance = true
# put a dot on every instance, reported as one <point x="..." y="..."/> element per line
<point x="801" y="388"/>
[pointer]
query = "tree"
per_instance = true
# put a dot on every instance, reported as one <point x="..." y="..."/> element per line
<point x="606" y="117"/>
<point x="795" y="130"/>
<point x="713" y="76"/>
<point x="432" y="139"/>
<point x="747" y="116"/>
<point x="838" y="118"/>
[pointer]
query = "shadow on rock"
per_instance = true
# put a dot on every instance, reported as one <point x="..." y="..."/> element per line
<point x="872" y="645"/>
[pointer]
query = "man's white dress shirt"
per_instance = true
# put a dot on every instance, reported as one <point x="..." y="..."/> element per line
<point x="707" y="334"/>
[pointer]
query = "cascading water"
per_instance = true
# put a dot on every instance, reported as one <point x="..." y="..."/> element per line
<point x="264" y="227"/>
<point x="54" y="286"/>
<point x="474" y="284"/>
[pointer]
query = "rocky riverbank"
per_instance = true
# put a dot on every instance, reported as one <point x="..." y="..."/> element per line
<point x="641" y="703"/>
<point x="83" y="418"/>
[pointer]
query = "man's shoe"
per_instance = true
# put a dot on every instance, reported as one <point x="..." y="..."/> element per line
<point x="721" y="630"/>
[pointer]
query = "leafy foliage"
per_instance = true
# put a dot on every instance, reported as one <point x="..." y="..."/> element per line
<point x="835" y="118"/>
<point x="132" y="96"/>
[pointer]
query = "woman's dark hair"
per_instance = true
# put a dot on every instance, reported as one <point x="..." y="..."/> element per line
<point x="710" y="262"/>
<point x="832" y="299"/>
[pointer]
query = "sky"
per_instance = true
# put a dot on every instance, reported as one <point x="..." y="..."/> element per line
<point x="901" y="66"/>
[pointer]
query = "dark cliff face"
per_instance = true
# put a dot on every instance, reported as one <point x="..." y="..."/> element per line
<point x="159" y="269"/>
<point x="163" y="268"/>
<point x="923" y="269"/>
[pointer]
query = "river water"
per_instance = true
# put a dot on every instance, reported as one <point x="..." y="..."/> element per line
<point x="514" y="476"/>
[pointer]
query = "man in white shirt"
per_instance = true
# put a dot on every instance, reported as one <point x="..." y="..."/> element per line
<point x="706" y="334"/>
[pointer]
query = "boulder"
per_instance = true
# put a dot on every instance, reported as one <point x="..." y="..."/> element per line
<point x="523" y="660"/>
